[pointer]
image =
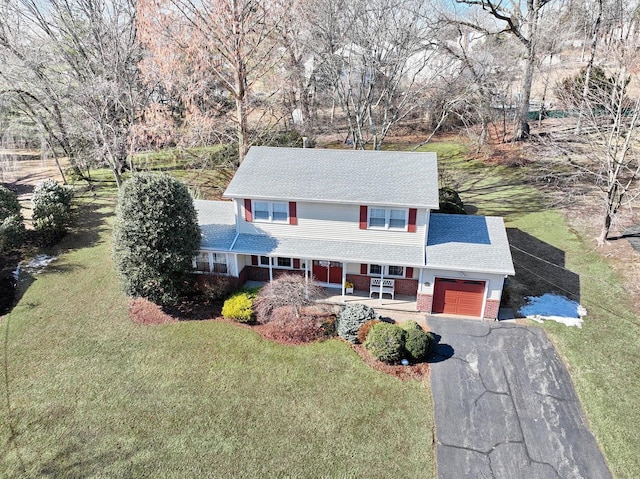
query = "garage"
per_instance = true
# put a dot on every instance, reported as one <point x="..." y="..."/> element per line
<point x="458" y="296"/>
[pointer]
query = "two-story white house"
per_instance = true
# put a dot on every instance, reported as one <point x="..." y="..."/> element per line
<point x="365" y="217"/>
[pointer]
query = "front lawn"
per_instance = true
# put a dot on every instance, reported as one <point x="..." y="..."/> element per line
<point x="90" y="393"/>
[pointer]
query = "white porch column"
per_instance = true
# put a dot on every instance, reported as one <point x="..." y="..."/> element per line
<point x="270" y="269"/>
<point x="306" y="278"/>
<point x="344" y="280"/>
<point x="236" y="265"/>
<point x="420" y="281"/>
<point x="382" y="267"/>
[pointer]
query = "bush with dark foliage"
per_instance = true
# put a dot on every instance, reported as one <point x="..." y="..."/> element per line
<point x="155" y="237"/>
<point x="351" y="319"/>
<point x="450" y="202"/>
<point x="12" y="229"/>
<point x="214" y="287"/>
<point x="51" y="210"/>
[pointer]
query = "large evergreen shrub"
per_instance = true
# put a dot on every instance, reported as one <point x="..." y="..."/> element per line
<point x="352" y="317"/>
<point x="418" y="343"/>
<point x="51" y="210"/>
<point x="12" y="229"/>
<point x="155" y="237"/>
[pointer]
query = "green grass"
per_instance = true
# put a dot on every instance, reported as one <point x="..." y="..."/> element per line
<point x="603" y="355"/>
<point x="90" y="393"/>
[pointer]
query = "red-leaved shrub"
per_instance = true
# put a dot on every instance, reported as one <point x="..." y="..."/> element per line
<point x="364" y="330"/>
<point x="287" y="290"/>
<point x="288" y="327"/>
<point x="215" y="287"/>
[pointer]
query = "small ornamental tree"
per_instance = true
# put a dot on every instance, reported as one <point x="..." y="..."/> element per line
<point x="290" y="290"/>
<point x="51" y="210"/>
<point x="11" y="222"/>
<point x="155" y="237"/>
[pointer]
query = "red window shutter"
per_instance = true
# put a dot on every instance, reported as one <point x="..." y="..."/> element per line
<point x="293" y="217"/>
<point x="413" y="212"/>
<point x="408" y="272"/>
<point x="247" y="210"/>
<point x="296" y="263"/>
<point x="254" y="260"/>
<point x="363" y="217"/>
<point x="363" y="267"/>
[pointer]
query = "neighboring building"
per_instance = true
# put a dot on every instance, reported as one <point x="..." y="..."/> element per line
<point x="358" y="216"/>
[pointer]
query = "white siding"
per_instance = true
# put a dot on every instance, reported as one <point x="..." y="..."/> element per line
<point x="331" y="222"/>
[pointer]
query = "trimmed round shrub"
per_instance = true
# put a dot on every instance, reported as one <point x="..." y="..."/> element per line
<point x="386" y="342"/>
<point x="450" y="201"/>
<point x="9" y="204"/>
<point x="51" y="210"/>
<point x="409" y="325"/>
<point x="352" y="317"/>
<point x="12" y="229"/>
<point x="12" y="233"/>
<point x="364" y="330"/>
<point x="418" y="344"/>
<point x="155" y="238"/>
<point x="239" y="306"/>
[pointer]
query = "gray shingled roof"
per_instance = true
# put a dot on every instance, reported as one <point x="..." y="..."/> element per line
<point x="468" y="243"/>
<point x="351" y="251"/>
<point x="217" y="224"/>
<point x="391" y="178"/>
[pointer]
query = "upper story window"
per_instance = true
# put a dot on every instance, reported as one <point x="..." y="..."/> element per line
<point x="388" y="218"/>
<point x="272" y="211"/>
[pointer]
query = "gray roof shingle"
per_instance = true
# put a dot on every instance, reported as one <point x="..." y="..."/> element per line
<point x="391" y="178"/>
<point x="217" y="224"/>
<point x="351" y="251"/>
<point x="468" y="243"/>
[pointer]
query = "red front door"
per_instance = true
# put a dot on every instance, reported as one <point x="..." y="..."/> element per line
<point x="327" y="271"/>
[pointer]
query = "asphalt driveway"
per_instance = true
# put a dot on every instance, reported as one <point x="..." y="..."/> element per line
<point x="505" y="406"/>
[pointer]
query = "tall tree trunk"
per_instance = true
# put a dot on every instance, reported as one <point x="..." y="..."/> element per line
<point x="522" y="121"/>
<point x="592" y="56"/>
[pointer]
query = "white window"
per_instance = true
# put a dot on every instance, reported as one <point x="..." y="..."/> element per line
<point x="375" y="269"/>
<point x="284" y="262"/>
<point x="388" y="218"/>
<point x="206" y="262"/>
<point x="396" y="271"/>
<point x="278" y="262"/>
<point x="201" y="262"/>
<point x="261" y="211"/>
<point x="220" y="263"/>
<point x="271" y="211"/>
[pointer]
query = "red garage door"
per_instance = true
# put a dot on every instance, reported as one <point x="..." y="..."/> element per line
<point x="457" y="296"/>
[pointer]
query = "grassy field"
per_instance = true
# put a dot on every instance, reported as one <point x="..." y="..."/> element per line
<point x="88" y="393"/>
<point x="602" y="356"/>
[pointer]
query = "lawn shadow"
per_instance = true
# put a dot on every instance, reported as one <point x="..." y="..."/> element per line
<point x="540" y="269"/>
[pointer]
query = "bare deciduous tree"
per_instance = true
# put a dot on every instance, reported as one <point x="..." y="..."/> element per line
<point x="74" y="72"/>
<point x="522" y="20"/>
<point x="208" y="46"/>
<point x="608" y="140"/>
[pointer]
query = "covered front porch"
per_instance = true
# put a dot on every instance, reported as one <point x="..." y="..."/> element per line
<point x="400" y="302"/>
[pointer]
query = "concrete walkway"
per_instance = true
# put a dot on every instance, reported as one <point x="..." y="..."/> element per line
<point x="505" y="406"/>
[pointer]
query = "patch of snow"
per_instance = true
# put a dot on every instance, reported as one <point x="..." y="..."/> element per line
<point x="553" y="307"/>
<point x="39" y="263"/>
